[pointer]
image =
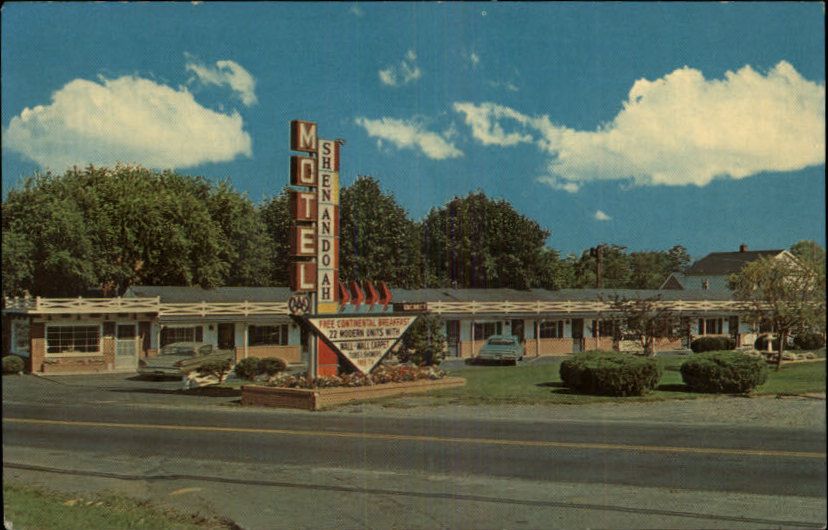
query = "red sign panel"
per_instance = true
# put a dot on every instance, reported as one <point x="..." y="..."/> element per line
<point x="302" y="241"/>
<point x="303" y="136"/>
<point x="303" y="171"/>
<point x="302" y="276"/>
<point x="302" y="206"/>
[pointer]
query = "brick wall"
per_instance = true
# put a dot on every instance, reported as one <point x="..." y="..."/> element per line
<point x="548" y="347"/>
<point x="86" y="364"/>
<point x="598" y="343"/>
<point x="289" y="354"/>
<point x="37" y="347"/>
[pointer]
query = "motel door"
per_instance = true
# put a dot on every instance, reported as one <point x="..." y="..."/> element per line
<point x="453" y="337"/>
<point x="577" y="335"/>
<point x="227" y="336"/>
<point x="126" y="347"/>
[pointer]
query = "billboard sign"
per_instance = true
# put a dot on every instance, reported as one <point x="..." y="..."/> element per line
<point x="363" y="340"/>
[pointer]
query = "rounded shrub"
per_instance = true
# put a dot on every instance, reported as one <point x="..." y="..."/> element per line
<point x="12" y="364"/>
<point x="809" y="341"/>
<point x="247" y="368"/>
<point x="726" y="372"/>
<point x="217" y="368"/>
<point x="271" y="366"/>
<point x="610" y="373"/>
<point x="703" y="344"/>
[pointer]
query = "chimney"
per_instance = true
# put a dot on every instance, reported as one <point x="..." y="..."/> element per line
<point x="743" y="248"/>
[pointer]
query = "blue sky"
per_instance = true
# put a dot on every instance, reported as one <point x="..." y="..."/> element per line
<point x="645" y="125"/>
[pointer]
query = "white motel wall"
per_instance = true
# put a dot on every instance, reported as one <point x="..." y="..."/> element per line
<point x="85" y="335"/>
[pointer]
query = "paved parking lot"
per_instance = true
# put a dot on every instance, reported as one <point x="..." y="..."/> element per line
<point x="109" y="389"/>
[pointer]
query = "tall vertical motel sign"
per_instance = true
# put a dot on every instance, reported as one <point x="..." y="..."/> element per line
<point x="364" y="332"/>
<point x="314" y="235"/>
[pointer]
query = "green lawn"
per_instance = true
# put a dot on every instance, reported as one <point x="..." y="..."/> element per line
<point x="541" y="384"/>
<point x="27" y="507"/>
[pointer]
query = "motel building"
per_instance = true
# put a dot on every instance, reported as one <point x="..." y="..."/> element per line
<point x="89" y="335"/>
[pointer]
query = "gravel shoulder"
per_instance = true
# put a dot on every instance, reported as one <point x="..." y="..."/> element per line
<point x="768" y="411"/>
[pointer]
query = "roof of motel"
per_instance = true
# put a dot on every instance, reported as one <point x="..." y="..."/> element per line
<point x="180" y="294"/>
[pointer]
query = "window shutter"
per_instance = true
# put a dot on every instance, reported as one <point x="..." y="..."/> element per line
<point x="199" y="333"/>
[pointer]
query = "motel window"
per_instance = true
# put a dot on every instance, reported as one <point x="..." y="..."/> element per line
<point x="83" y="339"/>
<point x="604" y="328"/>
<point x="267" y="335"/>
<point x="710" y="326"/>
<point x="552" y="329"/>
<point x="484" y="330"/>
<point x="185" y="334"/>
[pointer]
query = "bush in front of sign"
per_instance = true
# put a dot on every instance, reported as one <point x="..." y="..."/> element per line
<point x="271" y="366"/>
<point x="218" y="368"/>
<point x="424" y="342"/>
<point x="248" y="368"/>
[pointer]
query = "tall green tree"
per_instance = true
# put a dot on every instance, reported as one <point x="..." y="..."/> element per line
<point x="789" y="294"/>
<point x="377" y="240"/>
<point x="475" y="241"/>
<point x="809" y="252"/>
<point x="115" y="227"/>
<point x="648" y="270"/>
<point x="275" y="215"/>
<point x="678" y="259"/>
<point x="246" y="244"/>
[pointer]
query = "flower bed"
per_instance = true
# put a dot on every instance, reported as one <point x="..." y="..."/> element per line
<point x="383" y="374"/>
<point x="296" y="392"/>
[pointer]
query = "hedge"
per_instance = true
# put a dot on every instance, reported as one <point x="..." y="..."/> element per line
<point x="12" y="364"/>
<point x="247" y="368"/>
<point x="250" y="367"/>
<point x="703" y="344"/>
<point x="726" y="372"/>
<point x="809" y="341"/>
<point x="610" y="373"/>
<point x="271" y="366"/>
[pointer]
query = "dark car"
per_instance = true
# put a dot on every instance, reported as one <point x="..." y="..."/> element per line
<point x="181" y="358"/>
<point x="502" y="348"/>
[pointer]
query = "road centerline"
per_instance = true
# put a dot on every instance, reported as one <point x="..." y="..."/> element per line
<point x="431" y="439"/>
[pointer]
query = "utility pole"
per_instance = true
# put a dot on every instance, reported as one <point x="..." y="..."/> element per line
<point x="598" y="254"/>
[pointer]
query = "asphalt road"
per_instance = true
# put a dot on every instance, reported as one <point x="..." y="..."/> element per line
<point x="747" y="460"/>
<point x="653" y="471"/>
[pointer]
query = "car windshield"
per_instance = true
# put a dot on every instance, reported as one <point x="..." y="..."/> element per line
<point x="178" y="349"/>
<point x="501" y="342"/>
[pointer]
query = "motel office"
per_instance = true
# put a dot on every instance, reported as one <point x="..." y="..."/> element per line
<point x="83" y="335"/>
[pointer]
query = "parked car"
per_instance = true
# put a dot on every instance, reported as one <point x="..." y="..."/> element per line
<point x="181" y="358"/>
<point x="502" y="348"/>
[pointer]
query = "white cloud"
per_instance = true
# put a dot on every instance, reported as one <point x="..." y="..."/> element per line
<point x="678" y="130"/>
<point x="226" y="73"/>
<point x="402" y="74"/>
<point x="129" y="119"/>
<point x="410" y="135"/>
<point x="601" y="216"/>
<point x="474" y="58"/>
<point x="356" y="10"/>
<point x="483" y="120"/>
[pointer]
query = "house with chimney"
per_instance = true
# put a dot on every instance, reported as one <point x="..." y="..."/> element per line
<point x="712" y="272"/>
